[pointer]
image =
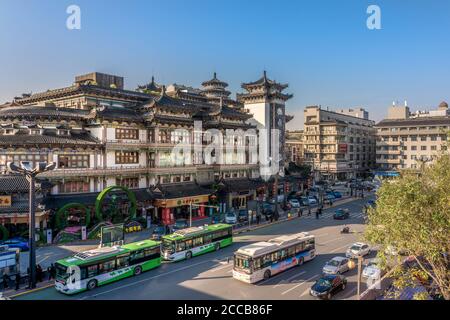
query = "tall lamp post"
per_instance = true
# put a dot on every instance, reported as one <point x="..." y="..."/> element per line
<point x="25" y="168"/>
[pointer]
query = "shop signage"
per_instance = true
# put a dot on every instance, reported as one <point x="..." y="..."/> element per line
<point x="5" y="201"/>
<point x="172" y="203"/>
<point x="342" y="148"/>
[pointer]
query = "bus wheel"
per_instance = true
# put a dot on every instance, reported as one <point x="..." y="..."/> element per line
<point x="92" y="284"/>
<point x="137" y="270"/>
<point x="217" y="246"/>
<point x="267" y="274"/>
<point x="188" y="255"/>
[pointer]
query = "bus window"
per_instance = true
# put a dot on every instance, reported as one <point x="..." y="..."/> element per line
<point x="291" y="251"/>
<point x="257" y="263"/>
<point x="274" y="256"/>
<point x="106" y="266"/>
<point x="309" y="244"/>
<point x="300" y="247"/>
<point x="207" y="238"/>
<point x="92" y="271"/>
<point x="198" y="241"/>
<point x="181" y="246"/>
<point x="137" y="255"/>
<point x="189" y="244"/>
<point x="122" y="262"/>
<point x="266" y="261"/>
<point x="242" y="262"/>
<point x="168" y="246"/>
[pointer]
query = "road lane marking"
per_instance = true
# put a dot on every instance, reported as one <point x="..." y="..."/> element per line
<point x="298" y="285"/>
<point x="285" y="281"/>
<point x="340" y="248"/>
<point x="147" y="279"/>
<point x="329" y="241"/>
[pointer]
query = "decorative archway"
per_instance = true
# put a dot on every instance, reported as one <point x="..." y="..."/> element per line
<point x="4" y="233"/>
<point x="63" y="212"/>
<point x="101" y="196"/>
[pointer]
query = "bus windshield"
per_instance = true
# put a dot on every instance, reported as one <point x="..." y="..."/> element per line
<point x="168" y="246"/>
<point x="61" y="271"/>
<point x="242" y="263"/>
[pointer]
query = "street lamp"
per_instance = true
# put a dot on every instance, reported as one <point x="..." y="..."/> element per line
<point x="26" y="169"/>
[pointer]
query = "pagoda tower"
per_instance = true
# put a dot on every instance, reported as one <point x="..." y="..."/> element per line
<point x="265" y="99"/>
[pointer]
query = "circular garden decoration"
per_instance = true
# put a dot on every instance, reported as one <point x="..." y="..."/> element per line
<point x="63" y="213"/>
<point x="102" y="195"/>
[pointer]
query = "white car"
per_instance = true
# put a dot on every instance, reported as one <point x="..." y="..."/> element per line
<point x="294" y="203"/>
<point x="372" y="270"/>
<point x="312" y="200"/>
<point x="230" y="218"/>
<point x="337" y="265"/>
<point x="358" y="249"/>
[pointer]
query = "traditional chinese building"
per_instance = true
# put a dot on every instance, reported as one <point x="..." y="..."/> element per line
<point x="101" y="135"/>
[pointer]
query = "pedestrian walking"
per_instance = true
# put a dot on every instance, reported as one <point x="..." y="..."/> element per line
<point x="53" y="271"/>
<point x="309" y="211"/>
<point x="5" y="281"/>
<point x="49" y="272"/>
<point x="300" y="212"/>
<point x="39" y="273"/>
<point x="18" y="278"/>
<point x="317" y="214"/>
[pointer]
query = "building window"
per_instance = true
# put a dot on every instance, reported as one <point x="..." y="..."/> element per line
<point x="423" y="148"/>
<point x="413" y="148"/>
<point x="130" y="134"/>
<point x="130" y="183"/>
<point x="73" y="161"/>
<point x="433" y="148"/>
<point x="127" y="157"/>
<point x="16" y="158"/>
<point x="74" y="187"/>
<point x="187" y="178"/>
<point x="423" y="138"/>
<point x="413" y="138"/>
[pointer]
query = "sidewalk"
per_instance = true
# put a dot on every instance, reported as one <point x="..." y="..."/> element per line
<point x="49" y="254"/>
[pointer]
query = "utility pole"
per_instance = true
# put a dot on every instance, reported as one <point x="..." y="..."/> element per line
<point x="360" y="259"/>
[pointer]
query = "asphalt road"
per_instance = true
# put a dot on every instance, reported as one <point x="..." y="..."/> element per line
<point x="210" y="276"/>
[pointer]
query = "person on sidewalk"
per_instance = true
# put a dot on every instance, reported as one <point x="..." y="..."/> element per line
<point x="5" y="281"/>
<point x="300" y="212"/>
<point x="39" y="273"/>
<point x="309" y="211"/>
<point x="18" y="278"/>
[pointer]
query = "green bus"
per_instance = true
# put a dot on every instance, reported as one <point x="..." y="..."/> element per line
<point x="89" y="269"/>
<point x="194" y="241"/>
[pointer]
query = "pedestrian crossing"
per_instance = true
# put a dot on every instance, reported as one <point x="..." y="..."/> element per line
<point x="329" y="214"/>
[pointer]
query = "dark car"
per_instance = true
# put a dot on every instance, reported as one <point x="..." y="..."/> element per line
<point x="341" y="214"/>
<point x="180" y="224"/>
<point x="16" y="243"/>
<point x="328" y="285"/>
<point x="243" y="215"/>
<point x="158" y="232"/>
<point x="268" y="210"/>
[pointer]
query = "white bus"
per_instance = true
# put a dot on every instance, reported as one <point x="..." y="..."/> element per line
<point x="262" y="260"/>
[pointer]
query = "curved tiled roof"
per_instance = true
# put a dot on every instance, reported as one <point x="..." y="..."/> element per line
<point x="118" y="113"/>
<point x="215" y="82"/>
<point x="415" y="121"/>
<point x="48" y="139"/>
<point x="264" y="81"/>
<point x="18" y="183"/>
<point x="31" y="111"/>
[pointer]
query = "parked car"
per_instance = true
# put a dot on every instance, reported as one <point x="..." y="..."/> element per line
<point x="243" y="215"/>
<point x="327" y="286"/>
<point x="312" y="200"/>
<point x="158" y="232"/>
<point x="329" y="196"/>
<point x="304" y="201"/>
<point x="341" y="214"/>
<point x="230" y="218"/>
<point x="180" y="224"/>
<point x="358" y="249"/>
<point x="372" y="270"/>
<point x="337" y="265"/>
<point x="337" y="194"/>
<point x="294" y="203"/>
<point x="16" y="243"/>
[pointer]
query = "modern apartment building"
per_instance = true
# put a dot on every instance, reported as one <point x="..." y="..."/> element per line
<point x="339" y="145"/>
<point x="406" y="140"/>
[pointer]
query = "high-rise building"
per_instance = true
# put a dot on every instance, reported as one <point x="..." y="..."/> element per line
<point x="338" y="145"/>
<point x="406" y="140"/>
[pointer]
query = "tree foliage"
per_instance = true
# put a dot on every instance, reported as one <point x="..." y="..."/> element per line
<point x="413" y="215"/>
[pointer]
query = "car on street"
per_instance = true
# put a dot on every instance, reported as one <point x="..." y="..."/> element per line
<point x="327" y="286"/>
<point x="243" y="215"/>
<point x="180" y="224"/>
<point x="357" y="249"/>
<point x="230" y="218"/>
<point x="337" y="265"/>
<point x="337" y="194"/>
<point x="329" y="196"/>
<point x="372" y="270"/>
<point x="16" y="243"/>
<point x="158" y="232"/>
<point x="341" y="214"/>
<point x="312" y="200"/>
<point x="294" y="203"/>
<point x="304" y="201"/>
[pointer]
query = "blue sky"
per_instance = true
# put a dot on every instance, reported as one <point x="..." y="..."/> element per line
<point x="323" y="49"/>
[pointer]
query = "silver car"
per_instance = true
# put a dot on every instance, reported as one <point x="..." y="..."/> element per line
<point x="337" y="265"/>
<point x="358" y="249"/>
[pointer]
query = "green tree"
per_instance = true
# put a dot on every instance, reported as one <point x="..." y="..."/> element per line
<point x="413" y="215"/>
